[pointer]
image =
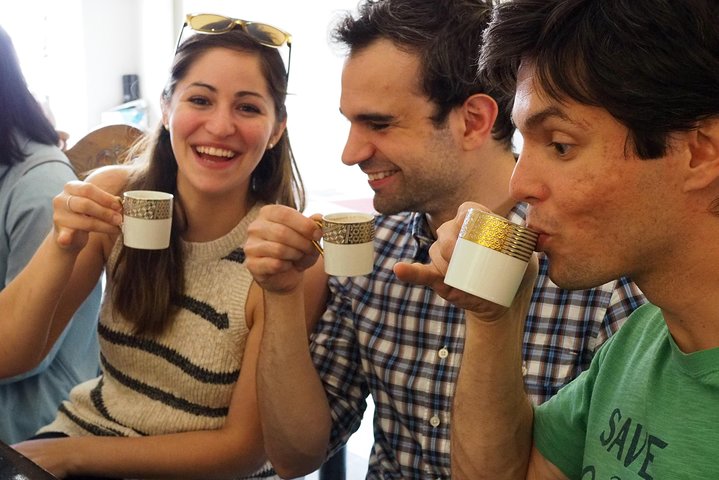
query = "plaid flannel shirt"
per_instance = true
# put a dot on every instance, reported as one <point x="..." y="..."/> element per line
<point x="403" y="344"/>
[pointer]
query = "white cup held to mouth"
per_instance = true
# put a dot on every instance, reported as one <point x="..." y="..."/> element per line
<point x="147" y="219"/>
<point x="490" y="257"/>
<point x="348" y="243"/>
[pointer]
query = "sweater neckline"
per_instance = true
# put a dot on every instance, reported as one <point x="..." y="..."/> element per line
<point x="224" y="245"/>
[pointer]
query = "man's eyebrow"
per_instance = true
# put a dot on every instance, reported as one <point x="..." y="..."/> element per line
<point x="371" y="117"/>
<point x="541" y="116"/>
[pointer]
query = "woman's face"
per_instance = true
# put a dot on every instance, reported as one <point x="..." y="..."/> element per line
<point x="221" y="119"/>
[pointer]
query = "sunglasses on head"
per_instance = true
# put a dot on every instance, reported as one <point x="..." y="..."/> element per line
<point x="212" y="24"/>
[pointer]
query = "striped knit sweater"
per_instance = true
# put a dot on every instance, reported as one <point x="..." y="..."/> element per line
<point x="183" y="379"/>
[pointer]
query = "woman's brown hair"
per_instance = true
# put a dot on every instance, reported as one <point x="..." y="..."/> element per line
<point x="148" y="284"/>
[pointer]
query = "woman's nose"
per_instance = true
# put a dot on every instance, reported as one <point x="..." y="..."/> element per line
<point x="221" y="123"/>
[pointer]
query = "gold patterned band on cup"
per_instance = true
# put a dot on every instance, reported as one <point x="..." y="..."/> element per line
<point x="347" y="233"/>
<point x="147" y="209"/>
<point x="499" y="234"/>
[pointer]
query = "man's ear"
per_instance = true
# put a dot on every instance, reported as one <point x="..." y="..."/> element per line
<point x="479" y="112"/>
<point x="704" y="150"/>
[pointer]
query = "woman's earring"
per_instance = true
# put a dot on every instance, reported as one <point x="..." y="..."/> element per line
<point x="269" y="147"/>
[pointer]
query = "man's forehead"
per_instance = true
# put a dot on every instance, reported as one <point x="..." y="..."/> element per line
<point x="378" y="90"/>
<point x="382" y="67"/>
<point x="524" y="92"/>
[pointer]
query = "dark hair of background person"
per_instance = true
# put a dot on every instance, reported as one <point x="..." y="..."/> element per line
<point x="149" y="283"/>
<point x="447" y="37"/>
<point x="19" y="110"/>
<point x="652" y="64"/>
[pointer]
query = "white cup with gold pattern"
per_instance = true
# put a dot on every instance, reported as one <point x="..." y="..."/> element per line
<point x="147" y="219"/>
<point x="490" y="257"/>
<point x="348" y="243"/>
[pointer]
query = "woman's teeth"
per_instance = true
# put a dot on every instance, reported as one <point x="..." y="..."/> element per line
<point x="215" y="152"/>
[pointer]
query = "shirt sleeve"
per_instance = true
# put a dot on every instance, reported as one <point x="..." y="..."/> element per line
<point x="336" y="357"/>
<point x="560" y="424"/>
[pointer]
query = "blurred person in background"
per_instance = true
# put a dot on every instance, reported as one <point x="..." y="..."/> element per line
<point x="32" y="171"/>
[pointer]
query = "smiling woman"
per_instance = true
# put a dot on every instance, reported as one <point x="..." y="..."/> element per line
<point x="180" y="327"/>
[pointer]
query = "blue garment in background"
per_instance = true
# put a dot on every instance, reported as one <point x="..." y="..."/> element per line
<point x="30" y="400"/>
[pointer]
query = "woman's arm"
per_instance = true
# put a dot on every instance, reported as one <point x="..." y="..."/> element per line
<point x="229" y="452"/>
<point x="40" y="301"/>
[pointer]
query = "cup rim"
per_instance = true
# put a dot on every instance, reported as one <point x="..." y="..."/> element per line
<point x="147" y="195"/>
<point x="342" y="218"/>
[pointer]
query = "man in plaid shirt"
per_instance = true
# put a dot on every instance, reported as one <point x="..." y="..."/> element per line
<point x="429" y="137"/>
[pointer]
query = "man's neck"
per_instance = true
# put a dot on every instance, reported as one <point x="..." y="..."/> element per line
<point x="684" y="284"/>
<point x="488" y="185"/>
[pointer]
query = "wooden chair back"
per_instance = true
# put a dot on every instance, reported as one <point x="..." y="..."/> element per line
<point x="105" y="145"/>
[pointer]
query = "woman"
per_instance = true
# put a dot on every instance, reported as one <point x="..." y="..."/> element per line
<point x="179" y="328"/>
<point x="32" y="171"/>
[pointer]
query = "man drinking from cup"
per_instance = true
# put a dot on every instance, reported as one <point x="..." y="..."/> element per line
<point x="429" y="136"/>
<point x="618" y="103"/>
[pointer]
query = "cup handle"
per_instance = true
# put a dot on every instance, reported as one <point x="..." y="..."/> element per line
<point x="316" y="243"/>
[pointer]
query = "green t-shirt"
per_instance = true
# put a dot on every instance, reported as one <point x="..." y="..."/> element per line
<point x="643" y="410"/>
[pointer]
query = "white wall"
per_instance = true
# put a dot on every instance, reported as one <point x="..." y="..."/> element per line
<point x="90" y="44"/>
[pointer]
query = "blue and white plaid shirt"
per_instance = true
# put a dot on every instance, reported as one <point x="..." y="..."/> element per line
<point x="403" y="344"/>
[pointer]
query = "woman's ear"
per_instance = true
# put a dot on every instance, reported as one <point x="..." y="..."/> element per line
<point x="164" y="112"/>
<point x="704" y="150"/>
<point x="479" y="113"/>
<point x="277" y="133"/>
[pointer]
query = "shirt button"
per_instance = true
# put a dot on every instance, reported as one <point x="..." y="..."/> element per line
<point x="524" y="369"/>
<point x="443" y="352"/>
<point x="434" y="421"/>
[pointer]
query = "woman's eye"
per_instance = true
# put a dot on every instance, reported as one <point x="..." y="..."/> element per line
<point x="248" y="108"/>
<point x="199" y="101"/>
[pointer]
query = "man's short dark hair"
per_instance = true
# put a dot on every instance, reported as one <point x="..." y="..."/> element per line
<point x="652" y="64"/>
<point x="445" y="34"/>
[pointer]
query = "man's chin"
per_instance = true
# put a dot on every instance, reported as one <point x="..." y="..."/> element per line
<point x="575" y="279"/>
<point x="389" y="207"/>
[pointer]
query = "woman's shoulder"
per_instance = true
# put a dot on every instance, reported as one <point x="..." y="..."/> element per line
<point x="111" y="178"/>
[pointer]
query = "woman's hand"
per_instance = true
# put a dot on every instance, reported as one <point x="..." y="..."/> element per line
<point x="52" y="454"/>
<point x="280" y="248"/>
<point x="83" y="208"/>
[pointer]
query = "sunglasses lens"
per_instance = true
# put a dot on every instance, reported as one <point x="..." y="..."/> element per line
<point x="211" y="23"/>
<point x="266" y="34"/>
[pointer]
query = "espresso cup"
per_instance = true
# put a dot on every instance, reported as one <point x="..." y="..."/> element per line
<point x="348" y="243"/>
<point x="490" y="257"/>
<point x="147" y="219"/>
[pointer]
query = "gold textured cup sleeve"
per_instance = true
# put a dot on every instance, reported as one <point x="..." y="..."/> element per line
<point x="347" y="233"/>
<point x="498" y="234"/>
<point x="147" y="209"/>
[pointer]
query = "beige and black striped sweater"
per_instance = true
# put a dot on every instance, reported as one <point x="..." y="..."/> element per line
<point x="183" y="379"/>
